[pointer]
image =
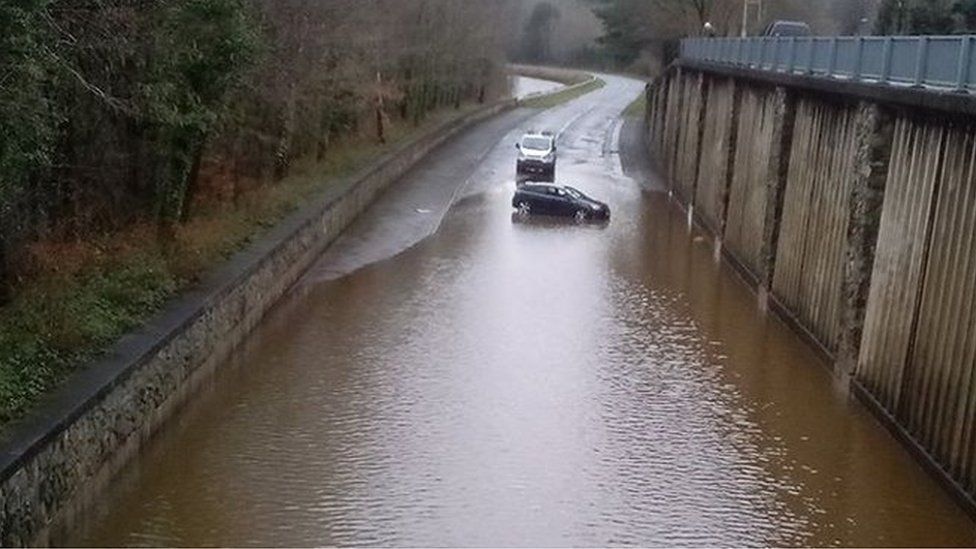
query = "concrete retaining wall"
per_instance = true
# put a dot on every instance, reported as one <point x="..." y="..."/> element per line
<point x="754" y="179"/>
<point x="715" y="164"/>
<point x="900" y="255"/>
<point x="688" y="139"/>
<point x="673" y="100"/>
<point x="918" y="356"/>
<point x="854" y="212"/>
<point x="56" y="460"/>
<point x="813" y="226"/>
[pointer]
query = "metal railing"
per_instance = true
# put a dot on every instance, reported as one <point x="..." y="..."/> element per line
<point x="943" y="62"/>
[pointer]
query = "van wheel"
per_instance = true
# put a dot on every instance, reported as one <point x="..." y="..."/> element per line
<point x="524" y="208"/>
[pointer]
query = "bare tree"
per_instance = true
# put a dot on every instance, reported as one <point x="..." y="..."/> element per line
<point x="136" y="108"/>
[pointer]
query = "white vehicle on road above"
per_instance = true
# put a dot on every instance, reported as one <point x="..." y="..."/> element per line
<point x="537" y="156"/>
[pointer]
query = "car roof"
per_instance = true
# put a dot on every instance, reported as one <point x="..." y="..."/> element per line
<point x="538" y="134"/>
<point x="785" y="25"/>
<point x="544" y="184"/>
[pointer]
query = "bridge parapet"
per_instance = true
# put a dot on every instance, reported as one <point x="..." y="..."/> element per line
<point x="927" y="62"/>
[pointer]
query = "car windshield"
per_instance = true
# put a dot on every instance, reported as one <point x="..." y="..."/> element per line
<point x="536" y="143"/>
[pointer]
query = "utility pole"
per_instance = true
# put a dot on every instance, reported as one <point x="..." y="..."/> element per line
<point x="745" y="14"/>
<point x="900" y="28"/>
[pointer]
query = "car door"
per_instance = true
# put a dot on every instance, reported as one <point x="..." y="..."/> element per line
<point x="562" y="203"/>
<point x="538" y="200"/>
<point x="552" y="202"/>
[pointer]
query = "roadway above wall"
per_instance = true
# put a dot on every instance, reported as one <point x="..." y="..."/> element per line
<point x="904" y="96"/>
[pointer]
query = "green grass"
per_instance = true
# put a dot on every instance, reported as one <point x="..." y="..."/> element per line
<point x="85" y="295"/>
<point x="564" y="76"/>
<point x="637" y="107"/>
<point x="549" y="101"/>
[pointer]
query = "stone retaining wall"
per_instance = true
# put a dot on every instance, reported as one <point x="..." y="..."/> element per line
<point x="55" y="461"/>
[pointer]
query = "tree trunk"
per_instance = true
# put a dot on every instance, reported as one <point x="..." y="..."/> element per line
<point x="4" y="274"/>
<point x="323" y="146"/>
<point x="380" y="129"/>
<point x="283" y="153"/>
<point x="192" y="185"/>
<point x="324" y="134"/>
<point x="173" y="186"/>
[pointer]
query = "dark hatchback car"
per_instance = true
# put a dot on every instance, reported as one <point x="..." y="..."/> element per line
<point x="549" y="199"/>
<point x="787" y="29"/>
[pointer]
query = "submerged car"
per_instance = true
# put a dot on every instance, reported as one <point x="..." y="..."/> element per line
<point x="537" y="156"/>
<point x="551" y="199"/>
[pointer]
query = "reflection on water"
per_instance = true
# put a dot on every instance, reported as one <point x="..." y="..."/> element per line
<point x="534" y="220"/>
<point x="535" y="383"/>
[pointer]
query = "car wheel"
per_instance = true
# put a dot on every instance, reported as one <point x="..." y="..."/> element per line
<point x="581" y="216"/>
<point x="524" y="208"/>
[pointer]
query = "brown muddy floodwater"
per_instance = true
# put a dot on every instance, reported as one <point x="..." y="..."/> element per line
<point x="512" y="383"/>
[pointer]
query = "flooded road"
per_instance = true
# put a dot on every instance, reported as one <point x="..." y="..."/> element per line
<point x="485" y="381"/>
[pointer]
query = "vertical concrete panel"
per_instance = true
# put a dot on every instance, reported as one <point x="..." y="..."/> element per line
<point x="656" y="116"/>
<point x="747" y="193"/>
<point x="651" y="117"/>
<point x="719" y="121"/>
<point x="661" y="117"/>
<point x="687" y="153"/>
<point x="897" y="272"/>
<point x="796" y="205"/>
<point x="828" y="236"/>
<point x="811" y="250"/>
<point x="938" y="403"/>
<point x="671" y="134"/>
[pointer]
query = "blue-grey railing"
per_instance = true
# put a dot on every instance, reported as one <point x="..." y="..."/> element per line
<point x="946" y="62"/>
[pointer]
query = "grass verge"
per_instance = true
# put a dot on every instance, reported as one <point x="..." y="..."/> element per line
<point x="562" y="75"/>
<point x="549" y="101"/>
<point x="82" y="296"/>
<point x="637" y="107"/>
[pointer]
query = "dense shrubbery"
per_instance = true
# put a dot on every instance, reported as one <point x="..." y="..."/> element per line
<point x="143" y="140"/>
<point x="106" y="102"/>
<point x="927" y="17"/>
<point x="115" y="111"/>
